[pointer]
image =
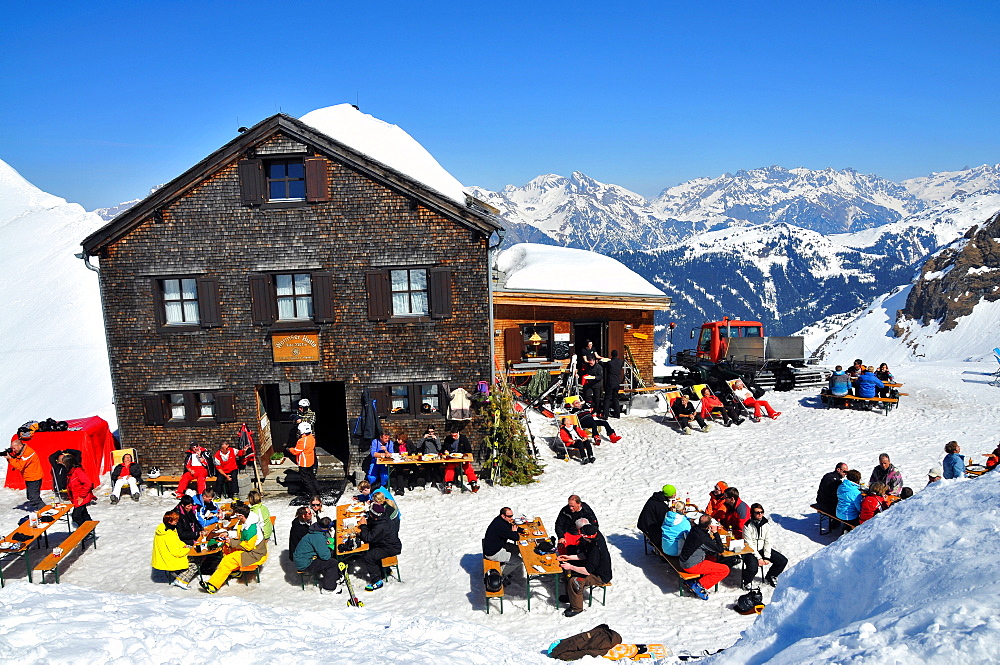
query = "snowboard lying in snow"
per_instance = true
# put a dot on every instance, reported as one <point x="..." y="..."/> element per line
<point x="637" y="652"/>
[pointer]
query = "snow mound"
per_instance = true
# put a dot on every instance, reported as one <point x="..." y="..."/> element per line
<point x="386" y="143"/>
<point x="534" y="267"/>
<point x="914" y="585"/>
<point x="67" y="624"/>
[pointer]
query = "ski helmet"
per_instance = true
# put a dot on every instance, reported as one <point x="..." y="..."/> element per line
<point x="305" y="428"/>
<point x="304" y="403"/>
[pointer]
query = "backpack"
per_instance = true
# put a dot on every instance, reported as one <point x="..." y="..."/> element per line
<point x="748" y="602"/>
<point x="493" y="581"/>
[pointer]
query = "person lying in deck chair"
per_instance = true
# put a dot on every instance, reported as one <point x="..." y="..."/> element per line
<point x="573" y="436"/>
<point x="685" y="412"/>
<point x="710" y="405"/>
<point x="748" y="400"/>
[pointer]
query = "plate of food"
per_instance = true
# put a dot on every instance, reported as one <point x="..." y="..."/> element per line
<point x="9" y="546"/>
<point x="356" y="508"/>
<point x="456" y="456"/>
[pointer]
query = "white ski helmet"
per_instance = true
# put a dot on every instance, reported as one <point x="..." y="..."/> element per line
<point x="305" y="428"/>
<point x="304" y="403"/>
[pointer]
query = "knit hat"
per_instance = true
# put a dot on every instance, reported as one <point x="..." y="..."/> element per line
<point x="377" y="509"/>
<point x="588" y="530"/>
<point x="669" y="491"/>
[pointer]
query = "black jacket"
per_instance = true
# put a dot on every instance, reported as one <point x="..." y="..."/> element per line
<point x="462" y="446"/>
<point x="826" y="496"/>
<point x="651" y="518"/>
<point x="700" y="542"/>
<point x="680" y="409"/>
<point x="187" y="526"/>
<point x="134" y="470"/>
<point x="566" y="520"/>
<point x="498" y="534"/>
<point x="295" y="534"/>
<point x="383" y="535"/>
<point x="60" y="472"/>
<point x="594" y="556"/>
<point x="613" y="374"/>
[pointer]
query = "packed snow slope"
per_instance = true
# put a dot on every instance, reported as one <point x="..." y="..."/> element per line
<point x="917" y="584"/>
<point x="108" y="608"/>
<point x="54" y="360"/>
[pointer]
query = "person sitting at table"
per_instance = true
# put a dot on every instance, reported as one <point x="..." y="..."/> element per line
<point x="702" y="547"/>
<point x="227" y="471"/>
<point x="588" y="420"/>
<point x="456" y="442"/>
<point x="126" y="473"/>
<point x="866" y="384"/>
<point x="873" y="501"/>
<point x="382" y="496"/>
<point x="653" y="512"/>
<point x="570" y="542"/>
<point x="685" y="412"/>
<point x="500" y="542"/>
<point x="737" y="512"/>
<point x="170" y="554"/>
<point x="590" y="566"/>
<point x="378" y="474"/>
<point x="674" y="529"/>
<point x="256" y="503"/>
<point x="838" y="386"/>
<point x="886" y="473"/>
<point x="716" y="506"/>
<point x="312" y="554"/>
<point x="885" y="376"/>
<point x="206" y="511"/>
<point x="316" y="505"/>
<point x="187" y="524"/>
<point x="250" y="549"/>
<point x="402" y="475"/>
<point x="849" y="498"/>
<point x="196" y="463"/>
<point x="80" y="488"/>
<point x="954" y="463"/>
<point x="573" y="436"/>
<point x="23" y="459"/>
<point x="757" y="536"/>
<point x="826" y="495"/>
<point x="748" y="400"/>
<point x="710" y="404"/>
<point x="854" y="371"/>
<point x="300" y="527"/>
<point x="571" y="512"/>
<point x="382" y="535"/>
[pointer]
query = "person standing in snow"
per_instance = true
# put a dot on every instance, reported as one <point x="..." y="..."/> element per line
<point x="593" y="386"/>
<point x="227" y="469"/>
<point x="23" y="459"/>
<point x="612" y="384"/>
<point x="305" y="456"/>
<point x="954" y="464"/>
<point x="80" y="488"/>
<point x="849" y="498"/>
<point x="757" y="534"/>
<point x="886" y="473"/>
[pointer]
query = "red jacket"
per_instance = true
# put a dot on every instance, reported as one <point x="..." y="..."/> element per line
<point x="734" y="519"/>
<point x="79" y="487"/>
<point x="709" y="403"/>
<point x="871" y="506"/>
<point x="225" y="463"/>
<point x="199" y="452"/>
<point x="567" y="438"/>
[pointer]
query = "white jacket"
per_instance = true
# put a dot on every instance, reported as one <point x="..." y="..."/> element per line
<point x="758" y="538"/>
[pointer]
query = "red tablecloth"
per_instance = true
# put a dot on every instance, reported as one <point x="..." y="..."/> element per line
<point x="94" y="441"/>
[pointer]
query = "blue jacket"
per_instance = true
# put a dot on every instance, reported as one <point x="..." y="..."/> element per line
<point x="313" y="545"/>
<point x="206" y="514"/>
<point x="674" y="526"/>
<point x="848" y="500"/>
<point x="954" y="466"/>
<point x="840" y="384"/>
<point x="867" y="383"/>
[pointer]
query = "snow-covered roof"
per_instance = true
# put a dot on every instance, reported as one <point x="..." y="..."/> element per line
<point x="534" y="267"/>
<point x="386" y="143"/>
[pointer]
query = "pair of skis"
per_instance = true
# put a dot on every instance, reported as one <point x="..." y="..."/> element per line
<point x="352" y="600"/>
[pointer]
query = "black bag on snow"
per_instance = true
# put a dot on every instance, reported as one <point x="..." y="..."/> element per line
<point x="747" y="603"/>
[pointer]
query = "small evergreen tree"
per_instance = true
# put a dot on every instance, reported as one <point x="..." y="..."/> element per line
<point x="512" y="463"/>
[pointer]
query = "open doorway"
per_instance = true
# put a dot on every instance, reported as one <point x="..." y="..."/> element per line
<point x="590" y="331"/>
<point x="327" y="399"/>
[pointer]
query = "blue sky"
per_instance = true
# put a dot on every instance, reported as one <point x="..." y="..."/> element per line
<point x="101" y="100"/>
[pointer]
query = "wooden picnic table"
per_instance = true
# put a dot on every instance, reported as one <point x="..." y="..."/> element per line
<point x="424" y="459"/>
<point x="536" y="565"/>
<point x="31" y="535"/>
<point x="348" y="511"/>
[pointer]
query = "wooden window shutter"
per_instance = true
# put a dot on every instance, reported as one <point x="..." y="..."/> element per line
<point x="251" y="172"/>
<point x="225" y="407"/>
<point x="152" y="407"/>
<point x="616" y="339"/>
<point x="322" y="293"/>
<point x="262" y="302"/>
<point x="381" y="402"/>
<point x="156" y="286"/>
<point x="317" y="186"/>
<point x="513" y="344"/>
<point x="440" y="293"/>
<point x="208" y="302"/>
<point x="379" y="295"/>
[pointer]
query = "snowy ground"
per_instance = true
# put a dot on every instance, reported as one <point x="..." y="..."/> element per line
<point x="107" y="608"/>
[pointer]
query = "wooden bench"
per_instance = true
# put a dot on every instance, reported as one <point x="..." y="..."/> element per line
<point x="487" y="567"/>
<point x="160" y="481"/>
<point x="51" y="562"/>
<point x="604" y="595"/>
<point x="388" y="563"/>
<point x="674" y="563"/>
<point x="885" y="403"/>
<point x="830" y="519"/>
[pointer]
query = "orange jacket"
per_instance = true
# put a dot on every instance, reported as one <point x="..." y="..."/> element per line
<point x="305" y="450"/>
<point x="27" y="464"/>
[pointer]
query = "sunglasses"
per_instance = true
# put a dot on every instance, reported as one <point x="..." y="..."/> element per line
<point x="758" y="512"/>
<point x="316" y="505"/>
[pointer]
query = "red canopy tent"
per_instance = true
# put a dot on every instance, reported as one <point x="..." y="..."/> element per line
<point x="93" y="440"/>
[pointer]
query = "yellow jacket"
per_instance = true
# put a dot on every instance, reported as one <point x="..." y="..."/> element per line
<point x="169" y="552"/>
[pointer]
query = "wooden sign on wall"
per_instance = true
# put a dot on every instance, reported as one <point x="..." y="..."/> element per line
<point x="295" y="347"/>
